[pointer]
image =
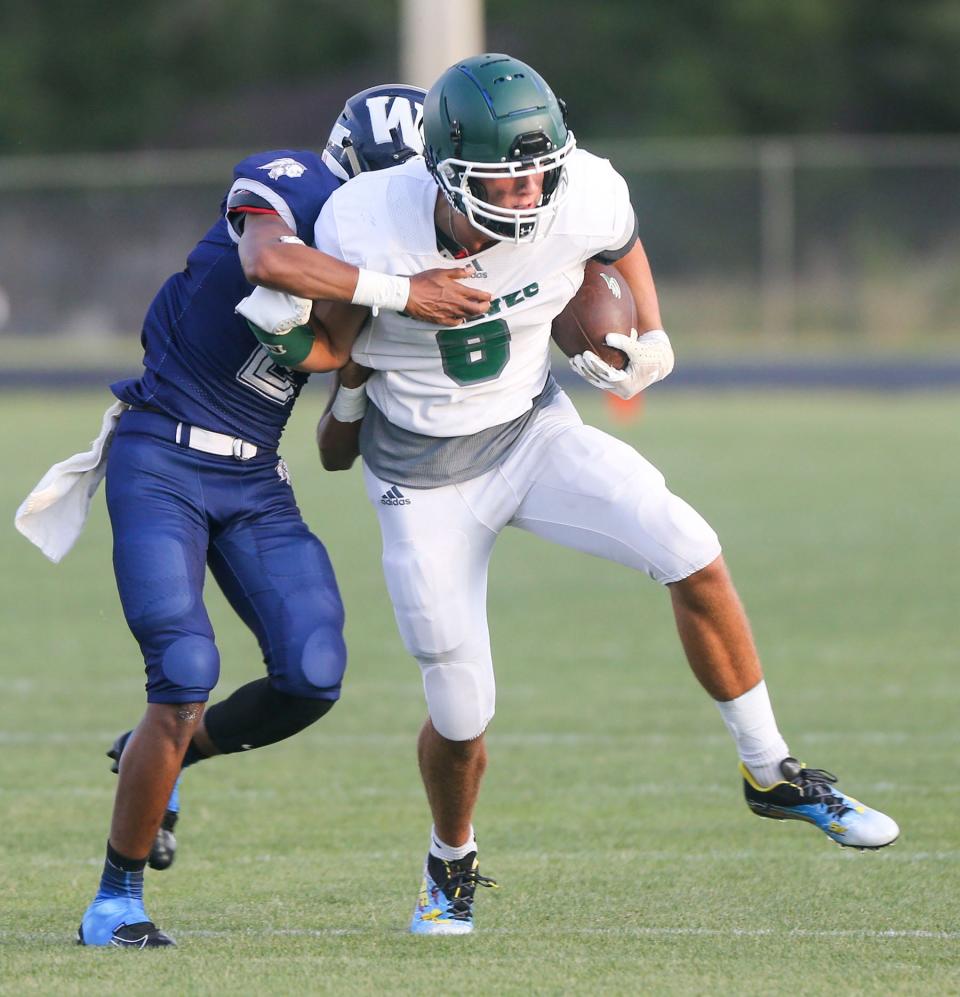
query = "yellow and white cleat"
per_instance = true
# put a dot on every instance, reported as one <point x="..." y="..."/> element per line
<point x="811" y="795"/>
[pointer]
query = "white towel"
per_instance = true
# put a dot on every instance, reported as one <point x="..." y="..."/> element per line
<point x="52" y="516"/>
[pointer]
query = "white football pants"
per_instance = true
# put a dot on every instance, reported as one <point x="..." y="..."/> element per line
<point x="563" y="481"/>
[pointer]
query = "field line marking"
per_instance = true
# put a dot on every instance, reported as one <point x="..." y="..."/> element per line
<point x="534" y="739"/>
<point x="897" y="856"/>
<point x="917" y="934"/>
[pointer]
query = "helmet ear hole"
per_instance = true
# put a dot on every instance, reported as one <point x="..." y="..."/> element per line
<point x="456" y="137"/>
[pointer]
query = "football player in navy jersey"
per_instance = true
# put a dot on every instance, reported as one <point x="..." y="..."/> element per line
<point x="194" y="479"/>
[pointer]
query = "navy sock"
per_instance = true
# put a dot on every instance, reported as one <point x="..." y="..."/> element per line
<point x="122" y="877"/>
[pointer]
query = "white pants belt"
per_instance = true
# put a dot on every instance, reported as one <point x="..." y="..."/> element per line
<point x="216" y="443"/>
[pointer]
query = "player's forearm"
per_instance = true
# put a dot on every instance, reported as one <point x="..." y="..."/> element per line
<point x="320" y="360"/>
<point x="338" y="432"/>
<point x="273" y="257"/>
<point x="302" y="271"/>
<point x="295" y="269"/>
<point x="338" y="443"/>
<point x="329" y="351"/>
<point x="335" y="328"/>
<point x="636" y="271"/>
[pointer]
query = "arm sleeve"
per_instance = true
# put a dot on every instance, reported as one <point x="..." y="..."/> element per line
<point x="289" y="349"/>
<point x="241" y="202"/>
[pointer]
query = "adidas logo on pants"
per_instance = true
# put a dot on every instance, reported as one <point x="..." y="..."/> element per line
<point x="393" y="496"/>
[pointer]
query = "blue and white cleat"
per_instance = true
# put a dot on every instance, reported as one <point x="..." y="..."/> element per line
<point x="811" y="795"/>
<point x="445" y="903"/>
<point x="164" y="849"/>
<point x="120" y="922"/>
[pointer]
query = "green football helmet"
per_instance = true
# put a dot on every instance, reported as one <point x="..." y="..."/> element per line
<point x="491" y="117"/>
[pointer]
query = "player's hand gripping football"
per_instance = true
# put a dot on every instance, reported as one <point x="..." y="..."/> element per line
<point x="649" y="359"/>
<point x="438" y="297"/>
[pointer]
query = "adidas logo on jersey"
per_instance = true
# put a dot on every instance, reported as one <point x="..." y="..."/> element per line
<point x="478" y="272"/>
<point x="393" y="496"/>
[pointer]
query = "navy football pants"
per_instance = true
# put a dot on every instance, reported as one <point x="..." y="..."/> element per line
<point x="175" y="510"/>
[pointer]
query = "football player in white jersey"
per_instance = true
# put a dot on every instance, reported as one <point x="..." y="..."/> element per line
<point x="468" y="433"/>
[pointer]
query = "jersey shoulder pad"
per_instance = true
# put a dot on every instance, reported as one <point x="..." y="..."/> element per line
<point x="295" y="184"/>
<point x="277" y="164"/>
<point x="379" y="214"/>
<point x="598" y="207"/>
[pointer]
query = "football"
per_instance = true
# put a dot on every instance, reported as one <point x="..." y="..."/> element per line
<point x="603" y="304"/>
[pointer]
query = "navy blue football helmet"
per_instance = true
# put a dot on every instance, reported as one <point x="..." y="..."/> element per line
<point x="377" y="128"/>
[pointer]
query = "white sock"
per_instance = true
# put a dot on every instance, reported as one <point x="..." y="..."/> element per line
<point x="451" y="853"/>
<point x="751" y="722"/>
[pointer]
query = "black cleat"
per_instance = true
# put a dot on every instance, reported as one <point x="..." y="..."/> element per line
<point x="164" y="849"/>
<point x="116" y="750"/>
<point x="145" y="935"/>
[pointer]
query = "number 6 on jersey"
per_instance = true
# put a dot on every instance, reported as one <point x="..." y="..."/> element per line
<point x="475" y="354"/>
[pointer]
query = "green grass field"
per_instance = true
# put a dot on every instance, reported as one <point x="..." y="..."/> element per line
<point x="611" y="813"/>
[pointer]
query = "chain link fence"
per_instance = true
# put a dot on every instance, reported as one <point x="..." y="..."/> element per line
<point x="776" y="244"/>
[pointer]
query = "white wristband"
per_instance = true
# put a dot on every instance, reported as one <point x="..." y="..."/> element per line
<point x="349" y="404"/>
<point x="380" y="290"/>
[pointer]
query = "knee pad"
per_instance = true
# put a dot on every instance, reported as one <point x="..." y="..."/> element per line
<point x="304" y="647"/>
<point x="191" y="663"/>
<point x="461" y="697"/>
<point x="324" y="660"/>
<point x="693" y="542"/>
<point x="310" y="664"/>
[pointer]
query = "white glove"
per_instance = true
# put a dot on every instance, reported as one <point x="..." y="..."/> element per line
<point x="649" y="359"/>
<point x="274" y="311"/>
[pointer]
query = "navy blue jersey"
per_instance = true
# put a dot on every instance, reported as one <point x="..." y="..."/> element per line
<point x="202" y="364"/>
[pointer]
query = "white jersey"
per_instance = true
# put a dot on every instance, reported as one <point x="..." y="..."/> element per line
<point x="459" y="381"/>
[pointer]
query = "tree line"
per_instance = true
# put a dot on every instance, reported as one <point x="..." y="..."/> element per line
<point x="96" y="75"/>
